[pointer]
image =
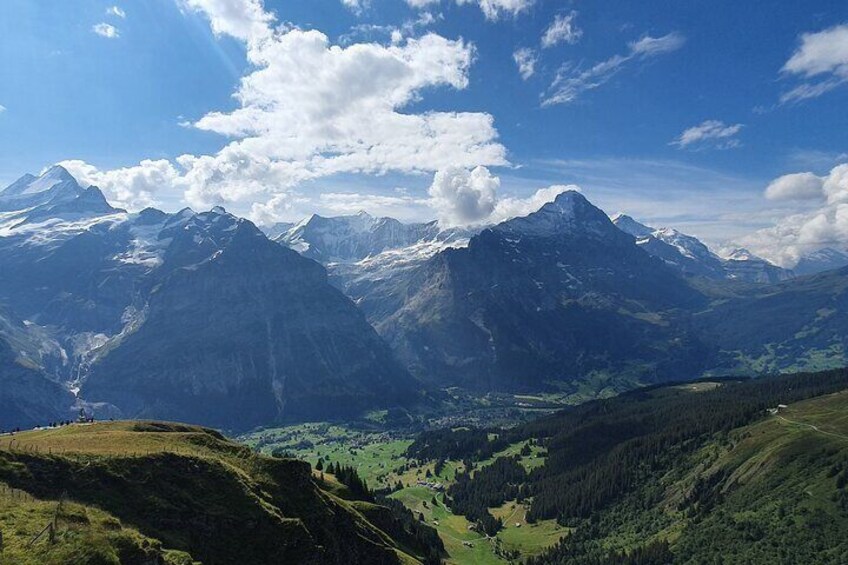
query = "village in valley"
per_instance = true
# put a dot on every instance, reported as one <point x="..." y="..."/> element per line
<point x="379" y="456"/>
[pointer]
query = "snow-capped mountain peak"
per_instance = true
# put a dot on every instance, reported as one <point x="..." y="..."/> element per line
<point x="30" y="184"/>
<point x="570" y="212"/>
<point x="741" y="254"/>
<point x="691" y="256"/>
<point x="825" y="259"/>
<point x="53" y="198"/>
<point x="353" y="237"/>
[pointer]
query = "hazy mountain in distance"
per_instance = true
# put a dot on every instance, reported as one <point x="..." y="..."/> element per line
<point x="692" y="257"/>
<point x="825" y="259"/>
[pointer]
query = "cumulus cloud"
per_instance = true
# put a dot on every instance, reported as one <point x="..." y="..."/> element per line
<point x="461" y="196"/>
<point x="796" y="186"/>
<point x="825" y="226"/>
<point x="710" y="133"/>
<point x="117" y="12"/>
<point x="132" y="188"/>
<point x="492" y="9"/>
<point x="572" y="82"/>
<point x="106" y="30"/>
<point x="821" y="61"/>
<point x="309" y="109"/>
<point x="562" y="30"/>
<point x="246" y="20"/>
<point x="525" y="58"/>
<point x="467" y="197"/>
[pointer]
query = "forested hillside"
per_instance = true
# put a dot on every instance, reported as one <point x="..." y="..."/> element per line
<point x="689" y="473"/>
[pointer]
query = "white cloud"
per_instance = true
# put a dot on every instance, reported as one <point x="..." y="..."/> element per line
<point x="117" y="12"/>
<point x="357" y="6"/>
<point x="2" y="108"/>
<point x="797" y="234"/>
<point x="525" y="58"/>
<point x="492" y="9"/>
<point x="106" y="30"/>
<point x="511" y="207"/>
<point x="242" y="19"/>
<point x="132" y="188"/>
<point x="309" y="109"/>
<point x="712" y="133"/>
<point x="821" y="60"/>
<point x="402" y="207"/>
<point x="797" y="186"/>
<point x="461" y="196"/>
<point x="562" y="30"/>
<point x="649" y="46"/>
<point x="396" y="33"/>
<point x="570" y="82"/>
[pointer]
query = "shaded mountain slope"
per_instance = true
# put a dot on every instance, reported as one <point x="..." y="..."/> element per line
<point x="249" y="334"/>
<point x="557" y="296"/>
<point x="796" y="324"/>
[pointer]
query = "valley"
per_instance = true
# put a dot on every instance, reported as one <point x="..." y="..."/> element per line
<point x="725" y="481"/>
<point x="380" y="459"/>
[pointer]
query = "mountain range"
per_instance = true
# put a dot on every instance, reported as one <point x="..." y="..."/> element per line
<point x="550" y="300"/>
<point x="691" y="257"/>
<point x="191" y="316"/>
<point x="202" y="317"/>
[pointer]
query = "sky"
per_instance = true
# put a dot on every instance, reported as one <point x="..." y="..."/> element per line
<point x="724" y="119"/>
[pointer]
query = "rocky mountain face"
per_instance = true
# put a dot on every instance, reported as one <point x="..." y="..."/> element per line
<point x="561" y="295"/>
<point x="690" y="256"/>
<point x="741" y="264"/>
<point x="27" y="396"/>
<point x="352" y="238"/>
<point x="189" y="316"/>
<point x="371" y="259"/>
<point x="240" y="331"/>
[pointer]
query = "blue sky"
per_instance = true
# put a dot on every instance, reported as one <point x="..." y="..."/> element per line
<point x="121" y="90"/>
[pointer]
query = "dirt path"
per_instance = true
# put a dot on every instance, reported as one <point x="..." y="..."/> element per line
<point x="815" y="428"/>
<point x="507" y="521"/>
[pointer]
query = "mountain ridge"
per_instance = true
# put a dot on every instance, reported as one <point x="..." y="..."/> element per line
<point x="91" y="278"/>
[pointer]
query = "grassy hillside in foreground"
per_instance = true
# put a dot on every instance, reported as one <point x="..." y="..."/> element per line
<point x="158" y="493"/>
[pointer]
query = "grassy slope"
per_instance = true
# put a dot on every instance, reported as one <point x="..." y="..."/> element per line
<point x="778" y="499"/>
<point x="765" y="493"/>
<point x="83" y="535"/>
<point x="183" y="487"/>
